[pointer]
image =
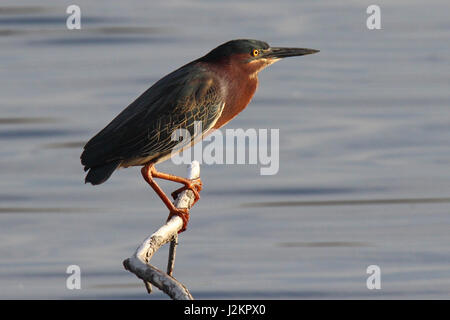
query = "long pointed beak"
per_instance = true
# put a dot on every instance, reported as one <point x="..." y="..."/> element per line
<point x="278" y="52"/>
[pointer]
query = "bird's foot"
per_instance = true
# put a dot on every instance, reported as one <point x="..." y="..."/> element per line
<point x="195" y="185"/>
<point x="183" y="214"/>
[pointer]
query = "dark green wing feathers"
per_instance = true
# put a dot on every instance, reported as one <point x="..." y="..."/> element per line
<point x="144" y="129"/>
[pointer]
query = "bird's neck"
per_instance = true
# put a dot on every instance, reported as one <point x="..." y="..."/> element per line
<point x="240" y="88"/>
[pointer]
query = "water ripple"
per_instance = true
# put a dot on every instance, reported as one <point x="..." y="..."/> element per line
<point x="65" y="145"/>
<point x="45" y="210"/>
<point x="26" y="120"/>
<point x="35" y="133"/>
<point x="344" y="202"/>
<point x="323" y="244"/>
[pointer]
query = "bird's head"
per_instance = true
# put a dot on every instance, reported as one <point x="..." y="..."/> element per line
<point x="251" y="56"/>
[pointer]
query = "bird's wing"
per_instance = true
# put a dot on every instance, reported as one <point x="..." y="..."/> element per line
<point x="144" y="129"/>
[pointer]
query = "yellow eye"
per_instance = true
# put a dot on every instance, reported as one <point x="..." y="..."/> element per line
<point x="255" y="52"/>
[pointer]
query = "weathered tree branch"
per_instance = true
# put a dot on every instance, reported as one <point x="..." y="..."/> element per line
<point x="172" y="254"/>
<point x="139" y="264"/>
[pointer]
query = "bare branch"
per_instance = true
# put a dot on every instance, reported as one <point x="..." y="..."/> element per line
<point x="139" y="262"/>
<point x="172" y="254"/>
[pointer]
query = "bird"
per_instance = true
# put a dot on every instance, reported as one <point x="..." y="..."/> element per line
<point x="212" y="90"/>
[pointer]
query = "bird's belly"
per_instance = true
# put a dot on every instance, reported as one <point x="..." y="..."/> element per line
<point x="145" y="160"/>
<point x="155" y="159"/>
<point x="137" y="161"/>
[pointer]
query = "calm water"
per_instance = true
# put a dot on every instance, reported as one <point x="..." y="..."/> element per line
<point x="364" y="151"/>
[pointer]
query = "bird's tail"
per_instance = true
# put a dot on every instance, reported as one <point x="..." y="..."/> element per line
<point x="100" y="174"/>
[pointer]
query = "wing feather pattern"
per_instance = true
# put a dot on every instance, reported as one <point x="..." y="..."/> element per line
<point x="144" y="129"/>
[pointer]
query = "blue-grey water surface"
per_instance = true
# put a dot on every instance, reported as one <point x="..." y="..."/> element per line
<point x="364" y="173"/>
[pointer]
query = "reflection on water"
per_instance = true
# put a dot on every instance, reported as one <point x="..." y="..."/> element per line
<point x="129" y="30"/>
<point x="4" y="10"/>
<point x="101" y="40"/>
<point x="345" y="202"/>
<point x="64" y="145"/>
<point x="322" y="244"/>
<point x="57" y="20"/>
<point x="6" y="32"/>
<point x="35" y="133"/>
<point x="297" y="191"/>
<point x="24" y="120"/>
<point x="364" y="152"/>
<point x="44" y="210"/>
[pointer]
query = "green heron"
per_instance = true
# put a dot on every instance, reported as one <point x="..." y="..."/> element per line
<point x="212" y="89"/>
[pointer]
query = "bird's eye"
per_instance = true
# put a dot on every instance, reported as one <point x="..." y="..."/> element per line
<point x="255" y="52"/>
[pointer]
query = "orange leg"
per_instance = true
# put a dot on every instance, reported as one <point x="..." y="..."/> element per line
<point x="149" y="172"/>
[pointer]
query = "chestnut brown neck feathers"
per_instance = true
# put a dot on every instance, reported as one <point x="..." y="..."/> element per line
<point x="240" y="80"/>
